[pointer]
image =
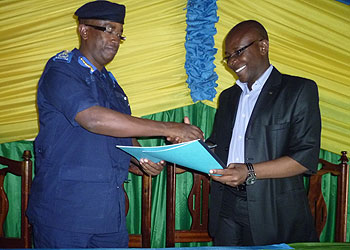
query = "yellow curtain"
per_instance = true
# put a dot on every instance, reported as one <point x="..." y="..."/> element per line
<point x="149" y="65"/>
<point x="307" y="38"/>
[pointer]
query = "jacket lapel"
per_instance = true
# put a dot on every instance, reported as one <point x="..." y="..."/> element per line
<point x="266" y="98"/>
<point x="235" y="95"/>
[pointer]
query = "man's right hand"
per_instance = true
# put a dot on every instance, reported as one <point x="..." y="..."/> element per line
<point x="234" y="175"/>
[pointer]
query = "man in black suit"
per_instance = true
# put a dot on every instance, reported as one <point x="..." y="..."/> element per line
<point x="267" y="130"/>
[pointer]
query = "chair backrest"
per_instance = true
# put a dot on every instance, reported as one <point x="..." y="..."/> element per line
<point x="317" y="202"/>
<point x="24" y="170"/>
<point x="144" y="239"/>
<point x="198" y="205"/>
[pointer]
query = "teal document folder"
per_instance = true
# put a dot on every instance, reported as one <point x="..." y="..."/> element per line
<point x="195" y="155"/>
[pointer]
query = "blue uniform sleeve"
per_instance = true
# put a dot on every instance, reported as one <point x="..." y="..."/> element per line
<point x="67" y="93"/>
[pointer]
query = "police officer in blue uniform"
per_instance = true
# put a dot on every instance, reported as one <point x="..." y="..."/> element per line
<point x="76" y="199"/>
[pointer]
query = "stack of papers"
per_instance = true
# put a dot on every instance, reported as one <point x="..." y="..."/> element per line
<point x="195" y="155"/>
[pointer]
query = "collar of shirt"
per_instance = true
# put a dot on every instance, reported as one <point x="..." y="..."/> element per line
<point x="83" y="61"/>
<point x="258" y="84"/>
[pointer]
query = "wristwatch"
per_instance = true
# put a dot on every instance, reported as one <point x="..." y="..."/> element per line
<point x="251" y="178"/>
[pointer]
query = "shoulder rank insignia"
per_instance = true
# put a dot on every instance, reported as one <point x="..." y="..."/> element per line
<point x="64" y="56"/>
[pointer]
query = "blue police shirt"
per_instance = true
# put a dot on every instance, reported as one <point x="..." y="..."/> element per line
<point x="79" y="174"/>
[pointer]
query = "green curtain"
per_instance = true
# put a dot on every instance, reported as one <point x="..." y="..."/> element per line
<point x="200" y="115"/>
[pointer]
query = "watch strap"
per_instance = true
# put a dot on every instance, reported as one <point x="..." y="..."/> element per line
<point x="251" y="178"/>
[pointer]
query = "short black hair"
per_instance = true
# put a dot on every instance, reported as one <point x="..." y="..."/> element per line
<point x="252" y="24"/>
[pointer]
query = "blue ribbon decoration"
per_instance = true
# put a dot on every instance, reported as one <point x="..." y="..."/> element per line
<point x="200" y="52"/>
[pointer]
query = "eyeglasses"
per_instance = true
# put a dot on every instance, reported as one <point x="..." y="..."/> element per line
<point x="107" y="29"/>
<point x="239" y="52"/>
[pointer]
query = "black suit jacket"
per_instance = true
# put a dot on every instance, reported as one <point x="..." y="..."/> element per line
<point x="285" y="122"/>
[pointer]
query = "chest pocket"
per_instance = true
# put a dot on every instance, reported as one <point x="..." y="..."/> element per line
<point x="118" y="98"/>
<point x="277" y="135"/>
<point x="120" y="102"/>
<point x="110" y="95"/>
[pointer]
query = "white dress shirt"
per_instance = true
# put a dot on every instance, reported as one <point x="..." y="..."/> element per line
<point x="246" y="105"/>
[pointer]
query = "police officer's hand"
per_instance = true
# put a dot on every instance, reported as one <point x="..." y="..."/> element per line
<point x="182" y="132"/>
<point x="152" y="168"/>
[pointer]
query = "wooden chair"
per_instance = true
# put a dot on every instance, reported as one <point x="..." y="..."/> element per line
<point x="198" y="205"/>
<point x="317" y="202"/>
<point x="144" y="239"/>
<point x="24" y="170"/>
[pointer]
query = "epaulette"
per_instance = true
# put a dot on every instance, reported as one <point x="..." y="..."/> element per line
<point x="63" y="56"/>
